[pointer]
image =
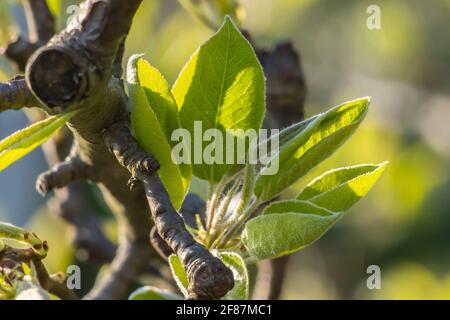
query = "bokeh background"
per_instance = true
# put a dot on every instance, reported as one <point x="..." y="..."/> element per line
<point x="403" y="225"/>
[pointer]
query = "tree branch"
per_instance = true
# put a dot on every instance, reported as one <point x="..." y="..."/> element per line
<point x="15" y="95"/>
<point x="192" y="206"/>
<point x="19" y="51"/>
<point x="40" y="21"/>
<point x="84" y="52"/>
<point x="286" y="86"/>
<point x="63" y="173"/>
<point x="208" y="277"/>
<point x="74" y="70"/>
<point x="11" y="260"/>
<point x="70" y="204"/>
<point x="41" y="27"/>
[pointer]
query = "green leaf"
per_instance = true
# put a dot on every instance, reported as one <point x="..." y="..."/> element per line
<point x="297" y="225"/>
<point x="237" y="265"/>
<point x="153" y="293"/>
<point x="223" y="87"/>
<point x="270" y="146"/>
<point x="154" y="117"/>
<point x="26" y="140"/>
<point x="339" y="189"/>
<point x="324" y="135"/>
<point x="179" y="274"/>
<point x="285" y="135"/>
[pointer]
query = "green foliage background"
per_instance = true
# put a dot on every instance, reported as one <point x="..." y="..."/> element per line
<point x="403" y="224"/>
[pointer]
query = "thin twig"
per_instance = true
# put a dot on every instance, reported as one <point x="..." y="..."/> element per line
<point x="15" y="95"/>
<point x="208" y="277"/>
<point x="40" y="21"/>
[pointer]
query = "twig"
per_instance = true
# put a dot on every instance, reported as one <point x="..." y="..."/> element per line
<point x="40" y="21"/>
<point x="11" y="260"/>
<point x="41" y="27"/>
<point x="192" y="207"/>
<point x="19" y="51"/>
<point x="15" y="95"/>
<point x="208" y="276"/>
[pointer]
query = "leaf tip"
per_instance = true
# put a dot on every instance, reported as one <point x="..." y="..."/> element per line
<point x="132" y="75"/>
<point x="383" y="165"/>
<point x="228" y="21"/>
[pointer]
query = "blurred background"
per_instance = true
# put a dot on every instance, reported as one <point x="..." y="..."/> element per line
<point x="403" y="225"/>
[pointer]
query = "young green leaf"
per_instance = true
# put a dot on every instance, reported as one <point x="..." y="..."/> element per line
<point x="294" y="227"/>
<point x="26" y="140"/>
<point x="153" y="293"/>
<point x="222" y="87"/>
<point x="324" y="135"/>
<point x="10" y="232"/>
<point x="154" y="117"/>
<point x="237" y="265"/>
<point x="285" y="135"/>
<point x="339" y="189"/>
<point x="179" y="274"/>
<point x="269" y="147"/>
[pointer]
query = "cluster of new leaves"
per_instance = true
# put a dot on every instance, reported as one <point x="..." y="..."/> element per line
<point x="223" y="87"/>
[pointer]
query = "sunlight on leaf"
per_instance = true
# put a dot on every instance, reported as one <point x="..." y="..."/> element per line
<point x="222" y="87"/>
<point x="26" y="140"/>
<point x="339" y="189"/>
<point x="154" y="117"/>
<point x="321" y="138"/>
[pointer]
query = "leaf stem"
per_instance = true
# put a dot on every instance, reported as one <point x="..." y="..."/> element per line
<point x="224" y="237"/>
<point x="223" y="208"/>
<point x="214" y="196"/>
